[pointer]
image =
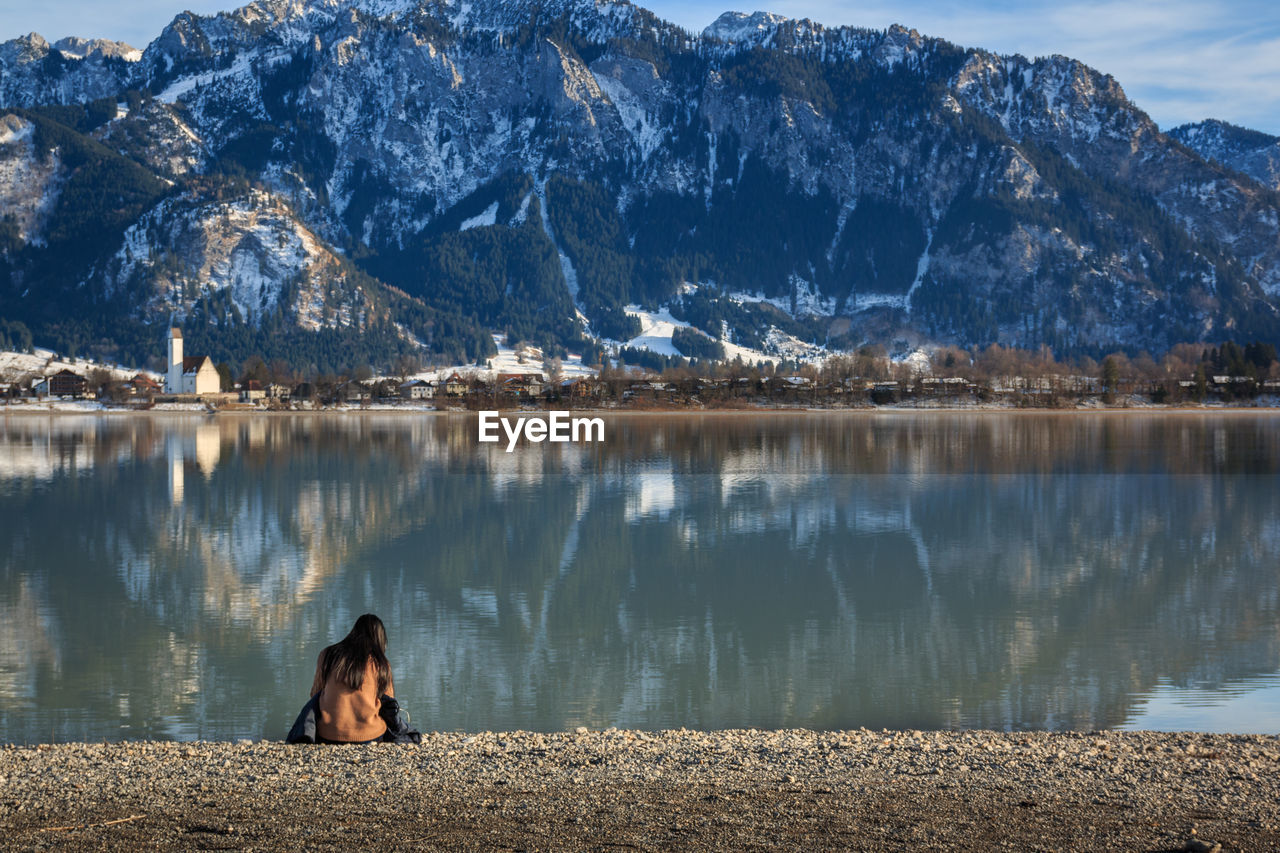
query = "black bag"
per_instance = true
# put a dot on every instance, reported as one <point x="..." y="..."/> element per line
<point x="397" y="720"/>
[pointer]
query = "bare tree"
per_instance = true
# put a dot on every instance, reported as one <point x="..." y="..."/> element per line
<point x="552" y="369"/>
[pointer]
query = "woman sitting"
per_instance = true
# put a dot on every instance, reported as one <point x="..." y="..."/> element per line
<point x="352" y="682"/>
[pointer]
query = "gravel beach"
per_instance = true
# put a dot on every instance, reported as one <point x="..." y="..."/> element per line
<point x="674" y="790"/>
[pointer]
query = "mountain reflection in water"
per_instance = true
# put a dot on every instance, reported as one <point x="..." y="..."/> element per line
<point x="176" y="577"/>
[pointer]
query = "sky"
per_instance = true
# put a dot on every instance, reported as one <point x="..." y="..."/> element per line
<point x="1180" y="60"/>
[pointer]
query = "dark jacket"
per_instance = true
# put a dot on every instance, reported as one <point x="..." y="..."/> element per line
<point x="396" y="718"/>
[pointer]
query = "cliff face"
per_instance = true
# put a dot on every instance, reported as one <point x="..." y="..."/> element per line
<point x="538" y="167"/>
<point x="1246" y="151"/>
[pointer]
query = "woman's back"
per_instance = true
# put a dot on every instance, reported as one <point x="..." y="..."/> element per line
<point x="348" y="714"/>
<point x="351" y="677"/>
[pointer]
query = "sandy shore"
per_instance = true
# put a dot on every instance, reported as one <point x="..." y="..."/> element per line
<point x="612" y="790"/>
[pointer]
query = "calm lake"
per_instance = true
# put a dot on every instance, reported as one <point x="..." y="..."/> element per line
<point x="175" y="577"/>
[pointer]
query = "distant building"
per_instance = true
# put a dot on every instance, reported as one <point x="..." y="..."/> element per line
<point x="190" y="374"/>
<point x="356" y="392"/>
<point x="143" y="385"/>
<point x="252" y="392"/>
<point x="455" y="386"/>
<point x="521" y="384"/>
<point x="66" y="383"/>
<point x="417" y="389"/>
<point x="582" y="387"/>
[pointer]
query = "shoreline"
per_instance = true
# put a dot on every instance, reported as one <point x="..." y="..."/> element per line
<point x="23" y="410"/>
<point x="672" y="790"/>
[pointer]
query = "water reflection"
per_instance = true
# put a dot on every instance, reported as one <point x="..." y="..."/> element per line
<point x="175" y="577"/>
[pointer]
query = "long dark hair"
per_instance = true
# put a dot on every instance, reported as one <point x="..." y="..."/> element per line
<point x="347" y="659"/>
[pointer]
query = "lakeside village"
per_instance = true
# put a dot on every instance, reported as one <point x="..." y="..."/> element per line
<point x="1188" y="375"/>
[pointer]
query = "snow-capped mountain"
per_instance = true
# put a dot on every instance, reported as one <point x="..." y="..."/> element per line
<point x="1251" y="152"/>
<point x="432" y="170"/>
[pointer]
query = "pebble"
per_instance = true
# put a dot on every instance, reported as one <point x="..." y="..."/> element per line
<point x="746" y="777"/>
<point x="1197" y="845"/>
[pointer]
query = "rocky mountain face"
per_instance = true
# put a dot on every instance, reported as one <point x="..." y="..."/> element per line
<point x="398" y="174"/>
<point x="1247" y="151"/>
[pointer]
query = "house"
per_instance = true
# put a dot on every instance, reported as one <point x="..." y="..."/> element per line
<point x="66" y="383"/>
<point x="252" y="391"/>
<point x="945" y="385"/>
<point x="582" y="388"/>
<point x="522" y="385"/>
<point x="417" y="389"/>
<point x="143" y="385"/>
<point x="276" y="391"/>
<point x="455" y="386"/>
<point x="790" y="385"/>
<point x="190" y="374"/>
<point x="354" y="393"/>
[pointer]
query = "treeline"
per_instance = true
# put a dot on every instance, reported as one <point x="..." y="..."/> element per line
<point x="694" y="344"/>
<point x="1186" y="371"/>
<point x="586" y="222"/>
<point x="502" y="276"/>
<point x="15" y="336"/>
<point x="104" y="193"/>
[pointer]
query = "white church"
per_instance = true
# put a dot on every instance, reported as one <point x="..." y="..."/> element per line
<point x="194" y="374"/>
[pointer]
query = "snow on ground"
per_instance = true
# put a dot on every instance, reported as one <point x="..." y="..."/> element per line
<point x="566" y="265"/>
<point x="488" y="217"/>
<point x="81" y="406"/>
<point x="806" y="297"/>
<point x="865" y="301"/>
<point x="922" y="268"/>
<point x="658" y="327"/>
<point x="508" y="360"/>
<point x="656" y="330"/>
<point x="242" y="66"/>
<point x="45" y="362"/>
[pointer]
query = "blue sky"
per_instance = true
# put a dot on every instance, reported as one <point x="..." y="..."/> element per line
<point x="1179" y="60"/>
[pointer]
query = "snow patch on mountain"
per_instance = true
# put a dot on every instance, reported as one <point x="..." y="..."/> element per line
<point x="615" y="78"/>
<point x="252" y="250"/>
<point x="1249" y="152"/>
<point x="79" y="48"/>
<point x="566" y="265"/>
<point x="525" y="359"/>
<point x="489" y="216"/>
<point x="922" y="269"/>
<point x="15" y="366"/>
<point x="523" y="212"/>
<point x="736" y="27"/>
<point x="156" y="134"/>
<point x="656" y="330"/>
<point x="30" y="186"/>
<point x="242" y="69"/>
<point x="804" y="300"/>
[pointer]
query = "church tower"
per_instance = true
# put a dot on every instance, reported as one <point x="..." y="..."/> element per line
<point x="173" y="382"/>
